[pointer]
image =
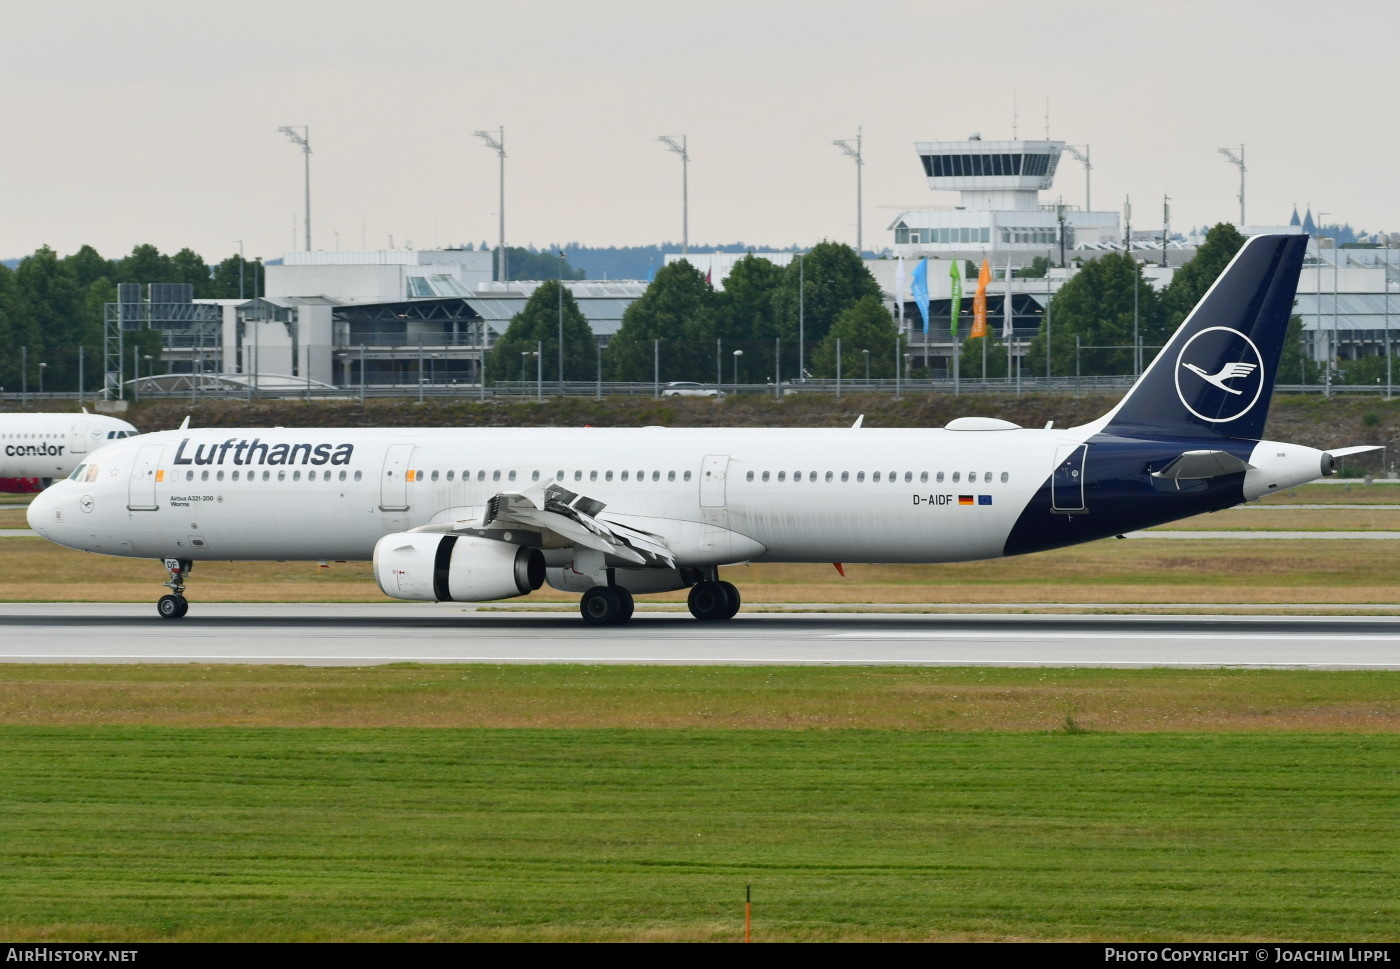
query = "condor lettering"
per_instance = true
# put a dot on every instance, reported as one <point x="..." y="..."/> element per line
<point x="242" y="451"/>
<point x="33" y="450"/>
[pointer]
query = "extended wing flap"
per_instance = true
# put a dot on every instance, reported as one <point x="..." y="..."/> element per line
<point x="554" y="511"/>
<point x="1193" y="465"/>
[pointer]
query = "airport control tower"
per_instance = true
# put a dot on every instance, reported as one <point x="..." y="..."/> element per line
<point x="1000" y="211"/>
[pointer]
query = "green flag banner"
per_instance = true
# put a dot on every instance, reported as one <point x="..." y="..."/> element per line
<point x="956" y="304"/>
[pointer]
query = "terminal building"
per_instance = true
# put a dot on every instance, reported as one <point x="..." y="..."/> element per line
<point x="406" y="318"/>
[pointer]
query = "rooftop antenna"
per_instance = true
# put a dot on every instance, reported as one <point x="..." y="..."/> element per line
<point x="1047" y="117"/>
<point x="1015" y="115"/>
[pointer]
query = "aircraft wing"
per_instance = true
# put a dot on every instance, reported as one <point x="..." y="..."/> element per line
<point x="560" y="517"/>
<point x="1193" y="465"/>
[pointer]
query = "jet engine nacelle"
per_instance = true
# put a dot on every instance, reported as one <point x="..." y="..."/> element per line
<point x="448" y="568"/>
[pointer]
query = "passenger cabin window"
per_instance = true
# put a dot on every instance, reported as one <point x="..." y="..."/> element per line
<point x="687" y="476"/>
<point x="1005" y="477"/>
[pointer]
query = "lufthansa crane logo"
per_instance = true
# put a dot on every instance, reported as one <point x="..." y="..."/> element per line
<point x="1219" y="361"/>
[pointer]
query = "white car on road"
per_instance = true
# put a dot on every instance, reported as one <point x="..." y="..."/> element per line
<point x="689" y="388"/>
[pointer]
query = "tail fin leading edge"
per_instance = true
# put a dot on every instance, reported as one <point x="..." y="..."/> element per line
<point x="1216" y="374"/>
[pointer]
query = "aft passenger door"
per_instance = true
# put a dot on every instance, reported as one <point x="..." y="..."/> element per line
<point x="1067" y="483"/>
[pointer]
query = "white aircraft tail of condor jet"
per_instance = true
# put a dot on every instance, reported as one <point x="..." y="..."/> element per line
<point x="467" y="515"/>
<point x="50" y="446"/>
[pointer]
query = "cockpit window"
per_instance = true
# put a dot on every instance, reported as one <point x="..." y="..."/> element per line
<point x="77" y="474"/>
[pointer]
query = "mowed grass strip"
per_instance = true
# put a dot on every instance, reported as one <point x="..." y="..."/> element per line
<point x="135" y="834"/>
<point x="1343" y="571"/>
<point x="722" y="697"/>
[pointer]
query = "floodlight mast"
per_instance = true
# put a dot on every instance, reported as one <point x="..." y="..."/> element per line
<point x="498" y="145"/>
<point x="845" y="146"/>
<point x="1238" y="161"/>
<point x="680" y="149"/>
<point x="304" y="140"/>
<point x="1083" y="159"/>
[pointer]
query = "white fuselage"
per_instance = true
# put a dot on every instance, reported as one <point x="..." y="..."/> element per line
<point x="717" y="495"/>
<point x="52" y="445"/>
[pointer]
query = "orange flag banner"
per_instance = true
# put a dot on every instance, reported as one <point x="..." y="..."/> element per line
<point x="979" y="302"/>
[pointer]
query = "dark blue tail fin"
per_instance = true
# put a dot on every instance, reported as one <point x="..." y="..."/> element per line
<point x="1216" y="373"/>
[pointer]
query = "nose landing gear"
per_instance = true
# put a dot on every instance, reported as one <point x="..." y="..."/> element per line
<point x="175" y="605"/>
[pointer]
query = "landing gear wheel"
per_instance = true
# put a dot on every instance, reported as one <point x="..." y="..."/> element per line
<point x="605" y="606"/>
<point x="628" y="604"/>
<point x="175" y="605"/>
<point x="732" y="592"/>
<point x="710" y="600"/>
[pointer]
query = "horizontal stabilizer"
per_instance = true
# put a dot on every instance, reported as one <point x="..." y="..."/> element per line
<point x="1341" y="452"/>
<point x="1192" y="465"/>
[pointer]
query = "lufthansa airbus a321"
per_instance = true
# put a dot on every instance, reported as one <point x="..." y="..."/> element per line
<point x="467" y="515"/>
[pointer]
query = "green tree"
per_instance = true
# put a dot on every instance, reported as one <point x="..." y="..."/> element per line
<point x="867" y="325"/>
<point x="52" y="301"/>
<point x="1096" y="306"/>
<point x="1294" y="367"/>
<point x="817" y="288"/>
<point x="145" y="265"/>
<point x="87" y="266"/>
<point x="970" y="358"/>
<point x="747" y="320"/>
<point x="537" y="325"/>
<point x="189" y="267"/>
<point x="527" y="264"/>
<point x="226" y="282"/>
<point x="17" y="329"/>
<point x="1191" y="281"/>
<point x="679" y="309"/>
<point x="1037" y="269"/>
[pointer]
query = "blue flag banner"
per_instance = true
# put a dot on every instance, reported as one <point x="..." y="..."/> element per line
<point x="919" y="289"/>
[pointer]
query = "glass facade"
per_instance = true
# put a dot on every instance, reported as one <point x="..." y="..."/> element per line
<point x="953" y="166"/>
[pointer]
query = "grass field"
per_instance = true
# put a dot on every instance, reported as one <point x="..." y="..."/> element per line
<point x="537" y="803"/>
<point x="626" y="803"/>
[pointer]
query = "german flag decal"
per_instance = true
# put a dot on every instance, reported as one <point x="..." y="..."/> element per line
<point x="966" y="500"/>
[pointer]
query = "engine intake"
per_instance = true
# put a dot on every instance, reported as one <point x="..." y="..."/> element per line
<point x="428" y="567"/>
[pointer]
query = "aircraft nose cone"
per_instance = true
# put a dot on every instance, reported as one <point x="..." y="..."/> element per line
<point x="40" y="511"/>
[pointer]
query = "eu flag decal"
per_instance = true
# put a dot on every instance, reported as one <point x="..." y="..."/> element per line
<point x="984" y="499"/>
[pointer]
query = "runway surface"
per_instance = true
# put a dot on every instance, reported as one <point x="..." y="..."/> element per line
<point x="325" y="634"/>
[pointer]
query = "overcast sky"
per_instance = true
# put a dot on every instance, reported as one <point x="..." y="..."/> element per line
<point x="150" y="121"/>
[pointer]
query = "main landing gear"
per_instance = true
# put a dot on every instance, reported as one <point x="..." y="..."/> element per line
<point x="710" y="599"/>
<point x="606" y="605"/>
<point x="175" y="605"/>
